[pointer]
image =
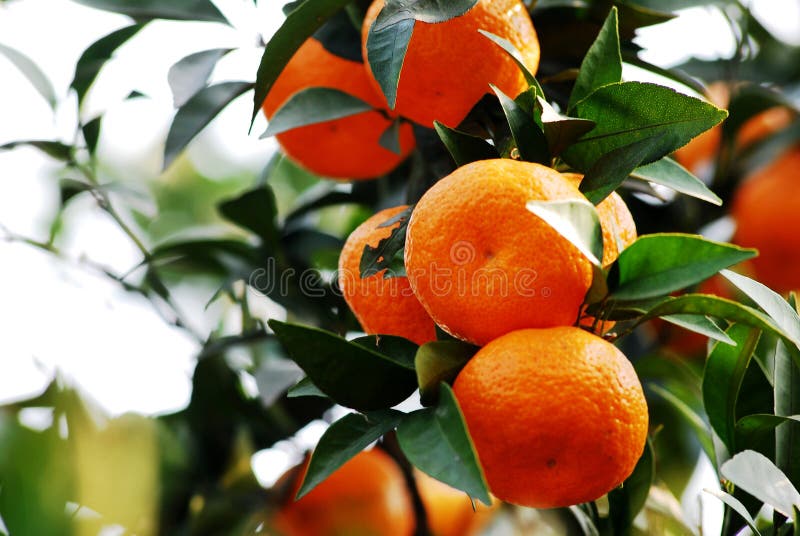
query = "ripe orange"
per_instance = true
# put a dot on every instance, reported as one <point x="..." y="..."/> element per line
<point x="482" y="264"/>
<point x="558" y="416"/>
<point x="366" y="496"/>
<point x="344" y="148"/>
<point x="382" y="305"/>
<point x="449" y="510"/>
<point x="448" y="66"/>
<point x="766" y="208"/>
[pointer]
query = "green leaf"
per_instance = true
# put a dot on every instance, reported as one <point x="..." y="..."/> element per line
<point x="577" y="221"/>
<point x="228" y="257"/>
<point x="95" y="57"/>
<point x="192" y="10"/>
<point x="350" y="374"/>
<point x="528" y="136"/>
<point x="69" y="188"/>
<point x="437" y="362"/>
<point x="757" y="475"/>
<point x="300" y="24"/>
<point x="401" y="351"/>
<point x="736" y="505"/>
<point x="560" y="130"/>
<point x="628" y="112"/>
<point x="305" y="387"/>
<point x="722" y="381"/>
<point x="91" y="133"/>
<point x="626" y="501"/>
<point x="198" y="112"/>
<point x="255" y="210"/>
<point x="463" y="147"/>
<point x="610" y="170"/>
<point x="430" y="11"/>
<point x="516" y="55"/>
<point x="657" y="264"/>
<point x="32" y="72"/>
<point x="390" y="138"/>
<point x="386" y="49"/>
<point x="770" y="301"/>
<point x="700" y="324"/>
<point x="344" y="439"/>
<point x="761" y="423"/>
<point x="379" y="258"/>
<point x="314" y="105"/>
<point x="786" y="380"/>
<point x="671" y="174"/>
<point x="691" y="417"/>
<point x="602" y="64"/>
<point x="53" y="149"/>
<point x="437" y="442"/>
<point x="190" y="74"/>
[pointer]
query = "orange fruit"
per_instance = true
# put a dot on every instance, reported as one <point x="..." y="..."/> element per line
<point x="382" y="305"/>
<point x="344" y="148"/>
<point x="482" y="264"/>
<point x="367" y="496"/>
<point x="448" y="66"/>
<point x="449" y="510"/>
<point x="557" y="416"/>
<point x="766" y="208"/>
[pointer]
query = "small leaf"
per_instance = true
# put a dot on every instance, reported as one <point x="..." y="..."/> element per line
<point x="761" y="423"/>
<point x="736" y="505"/>
<point x="53" y="149"/>
<point x="528" y="136"/>
<point x="386" y="50"/>
<point x="463" y="147"/>
<point x="198" y="112"/>
<point x="32" y="72"/>
<point x="255" y="210"/>
<point x="560" y="130"/>
<point x="757" y="475"/>
<point x="390" y="138"/>
<point x="658" y="264"/>
<point x="305" y="387"/>
<point x="671" y="174"/>
<point x="602" y="64"/>
<point x="437" y="442"/>
<point x="69" y="188"/>
<point x="91" y="133"/>
<point x="350" y="374"/>
<point x="577" y="221"/>
<point x="344" y="439"/>
<point x="626" y="501"/>
<point x="702" y="325"/>
<point x="314" y="105"/>
<point x="191" y="10"/>
<point x="375" y="260"/>
<point x="430" y="11"/>
<point x="437" y="362"/>
<point x="190" y="74"/>
<point x="516" y="55"/>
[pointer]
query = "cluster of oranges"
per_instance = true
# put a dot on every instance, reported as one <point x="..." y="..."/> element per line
<point x="556" y="413"/>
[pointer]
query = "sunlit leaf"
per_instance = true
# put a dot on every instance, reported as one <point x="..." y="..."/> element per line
<point x="190" y="74"/>
<point x="577" y="221"/>
<point x="757" y="475"/>
<point x="602" y="64"/>
<point x="667" y="172"/>
<point x="32" y="72"/>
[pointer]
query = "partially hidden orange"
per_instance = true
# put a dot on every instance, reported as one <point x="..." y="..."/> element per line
<point x="450" y="511"/>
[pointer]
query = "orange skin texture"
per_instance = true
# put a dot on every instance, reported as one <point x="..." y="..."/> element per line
<point x="366" y="496"/>
<point x="483" y="265"/>
<point x="449" y="510"/>
<point x="557" y="416"/>
<point x="766" y="208"/>
<point x="382" y="305"/>
<point x="448" y="66"/>
<point x="345" y="148"/>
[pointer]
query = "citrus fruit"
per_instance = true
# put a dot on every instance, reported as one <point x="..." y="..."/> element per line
<point x="346" y="148"/>
<point x="766" y="208"/>
<point x="482" y="264"/>
<point x="367" y="496"/>
<point x="448" y="66"/>
<point x="557" y="416"/>
<point x="383" y="305"/>
<point x="449" y="510"/>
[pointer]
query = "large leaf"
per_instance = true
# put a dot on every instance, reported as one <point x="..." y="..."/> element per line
<point x="198" y="112"/>
<point x="602" y="64"/>
<point x="32" y="72"/>
<point x="657" y="264"/>
<point x="671" y="174"/>
<point x="255" y="210"/>
<point x="437" y="362"/>
<point x="757" y="475"/>
<point x="314" y="105"/>
<point x="436" y="441"/>
<point x="142" y="10"/>
<point x="528" y="136"/>
<point x="628" y="112"/>
<point x="577" y="221"/>
<point x="626" y="501"/>
<point x="463" y="147"/>
<point x="352" y="375"/>
<point x="190" y="74"/>
<point x="344" y="439"/>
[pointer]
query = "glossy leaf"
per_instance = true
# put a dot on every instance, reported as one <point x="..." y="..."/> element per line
<point x="760" y="423"/>
<point x="702" y="325"/>
<point x="737" y="506"/>
<point x="626" y="501"/>
<point x="379" y="258"/>
<point x="402" y="351"/>
<point x="658" y="264"/>
<point x="197" y="113"/>
<point x="344" y="439"/>
<point x="602" y="64"/>
<point x="386" y="50"/>
<point x="255" y="210"/>
<point x="32" y="72"/>
<point x="463" y="147"/>
<point x="560" y="130"/>
<point x="350" y="374"/>
<point x="757" y="475"/>
<point x="528" y="136"/>
<point x="437" y="442"/>
<point x="314" y="105"/>
<point x="577" y="221"/>
<point x="770" y="301"/>
<point x="437" y="362"/>
<point x="190" y="74"/>
<point x="669" y="173"/>
<point x="192" y="10"/>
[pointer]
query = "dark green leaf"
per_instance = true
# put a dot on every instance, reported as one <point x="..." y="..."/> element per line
<point x="631" y="111"/>
<point x="314" y="105"/>
<point x="91" y="133"/>
<point x="577" y="221"/>
<point x="560" y="130"/>
<point x="190" y="74"/>
<point x="691" y="417"/>
<point x="516" y="55"/>
<point x="625" y="502"/>
<point x="198" y="112"/>
<point x="255" y="210"/>
<point x="386" y="50"/>
<point x="94" y="57"/>
<point x="390" y="138"/>
<point x="463" y="147"/>
<point x="341" y="35"/>
<point x="762" y="423"/>
<point x="305" y="387"/>
<point x="437" y="442"/>
<point x="54" y="149"/>
<point x="32" y="72"/>
<point x="437" y="362"/>
<point x="671" y="174"/>
<point x="786" y="381"/>
<point x="757" y="475"/>
<point x="374" y="260"/>
<point x="737" y="507"/>
<point x="344" y="439"/>
<point x="528" y="136"/>
<point x="350" y="374"/>
<point x="702" y="325"/>
<point x="658" y="264"/>
<point x="69" y="188"/>
<point x="193" y="10"/>
<point x="602" y="64"/>
<point x="430" y="11"/>
<point x="722" y="381"/>
<point x="398" y="349"/>
<point x="228" y="257"/>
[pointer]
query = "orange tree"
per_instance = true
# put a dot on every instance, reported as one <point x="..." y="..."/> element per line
<point x="537" y="374"/>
